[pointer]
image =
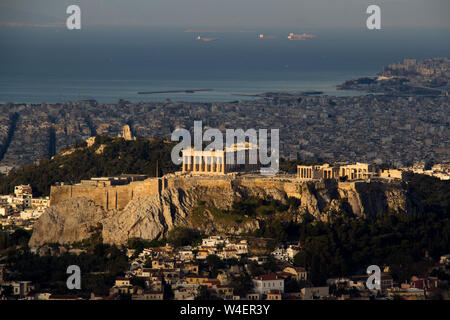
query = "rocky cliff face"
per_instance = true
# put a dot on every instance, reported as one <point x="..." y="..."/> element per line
<point x="359" y="198"/>
<point x="152" y="217"/>
<point x="68" y="222"/>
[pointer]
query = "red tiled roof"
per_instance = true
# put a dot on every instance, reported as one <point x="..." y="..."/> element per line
<point x="212" y="282"/>
<point x="266" y="277"/>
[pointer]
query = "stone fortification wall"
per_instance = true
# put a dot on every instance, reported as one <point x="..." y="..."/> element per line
<point x="109" y="197"/>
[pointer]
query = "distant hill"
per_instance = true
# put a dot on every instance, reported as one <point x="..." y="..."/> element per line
<point x="106" y="157"/>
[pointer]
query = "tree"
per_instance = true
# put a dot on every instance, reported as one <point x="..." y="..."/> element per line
<point x="118" y="157"/>
<point x="241" y="284"/>
<point x="291" y="285"/>
<point x="271" y="264"/>
<point x="204" y="294"/>
<point x="182" y="236"/>
<point x="214" y="262"/>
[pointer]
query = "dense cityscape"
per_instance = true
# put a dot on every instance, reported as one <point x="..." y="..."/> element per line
<point x="362" y="161"/>
<point x="393" y="129"/>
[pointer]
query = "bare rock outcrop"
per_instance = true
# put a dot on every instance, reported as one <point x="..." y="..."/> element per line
<point x="147" y="218"/>
<point x="70" y="221"/>
<point x="152" y="217"/>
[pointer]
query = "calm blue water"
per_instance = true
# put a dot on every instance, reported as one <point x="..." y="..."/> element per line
<point x="107" y="64"/>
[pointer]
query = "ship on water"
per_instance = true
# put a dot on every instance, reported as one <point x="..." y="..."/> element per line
<point x="304" y="36"/>
<point x="263" y="36"/>
<point x="200" y="38"/>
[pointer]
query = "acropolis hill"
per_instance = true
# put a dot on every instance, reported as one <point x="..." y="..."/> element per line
<point x="206" y="169"/>
<point x="117" y="196"/>
<point x="148" y="209"/>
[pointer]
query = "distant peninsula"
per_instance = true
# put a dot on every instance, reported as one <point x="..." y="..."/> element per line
<point x="428" y="77"/>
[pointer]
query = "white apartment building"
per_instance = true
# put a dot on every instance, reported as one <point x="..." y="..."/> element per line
<point x="213" y="241"/>
<point x="267" y="282"/>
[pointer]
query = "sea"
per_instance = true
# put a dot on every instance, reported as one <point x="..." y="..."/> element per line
<point x="48" y="64"/>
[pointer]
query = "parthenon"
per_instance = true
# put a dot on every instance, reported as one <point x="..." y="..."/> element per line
<point x="211" y="162"/>
<point x="349" y="171"/>
<point x="218" y="161"/>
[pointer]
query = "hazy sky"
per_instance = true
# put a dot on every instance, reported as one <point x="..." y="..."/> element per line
<point x="232" y="13"/>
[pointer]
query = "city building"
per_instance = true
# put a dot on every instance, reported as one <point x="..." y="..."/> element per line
<point x="274" y="295"/>
<point x="392" y="173"/>
<point x="298" y="273"/>
<point x="22" y="205"/>
<point x="22" y="196"/>
<point x="267" y="282"/>
<point x="315" y="292"/>
<point x="22" y="288"/>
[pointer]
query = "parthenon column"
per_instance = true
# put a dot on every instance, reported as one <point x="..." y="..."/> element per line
<point x="219" y="164"/>
<point x="184" y="164"/>
<point x="208" y="164"/>
<point x="196" y="163"/>
<point x="222" y="160"/>
<point x="190" y="163"/>
<point x="214" y="164"/>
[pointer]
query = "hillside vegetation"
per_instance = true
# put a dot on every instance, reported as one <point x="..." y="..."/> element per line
<point x="107" y="157"/>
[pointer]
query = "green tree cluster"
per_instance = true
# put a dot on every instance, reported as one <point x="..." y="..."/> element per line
<point x="99" y="266"/>
<point x="142" y="156"/>
<point x="183" y="236"/>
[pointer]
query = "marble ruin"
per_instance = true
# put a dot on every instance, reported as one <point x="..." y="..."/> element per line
<point x="221" y="161"/>
<point x="325" y="171"/>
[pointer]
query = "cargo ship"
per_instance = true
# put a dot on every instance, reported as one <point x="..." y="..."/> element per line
<point x="262" y="36"/>
<point x="303" y="36"/>
<point x="199" y="38"/>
